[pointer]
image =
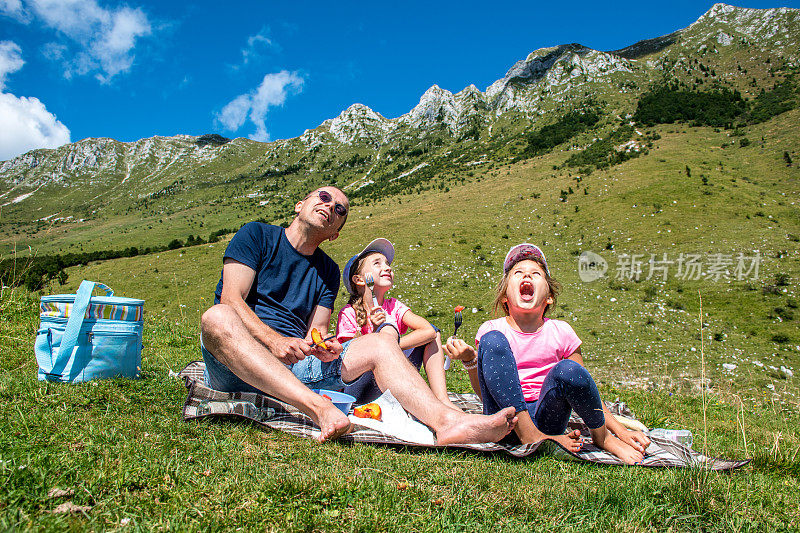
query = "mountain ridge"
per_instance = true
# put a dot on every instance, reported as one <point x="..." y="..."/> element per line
<point x="351" y="125"/>
<point x="360" y="149"/>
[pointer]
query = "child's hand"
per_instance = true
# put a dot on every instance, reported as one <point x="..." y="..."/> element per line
<point x="636" y="439"/>
<point x="460" y="350"/>
<point x="377" y="316"/>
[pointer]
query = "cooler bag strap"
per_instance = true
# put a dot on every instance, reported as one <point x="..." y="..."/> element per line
<point x="74" y="323"/>
<point x="103" y="287"/>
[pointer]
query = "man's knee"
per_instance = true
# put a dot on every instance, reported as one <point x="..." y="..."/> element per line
<point x="377" y="346"/>
<point x="383" y="343"/>
<point x="389" y="330"/>
<point x="216" y="319"/>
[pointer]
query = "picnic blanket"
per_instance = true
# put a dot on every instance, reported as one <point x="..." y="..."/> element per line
<point x="268" y="412"/>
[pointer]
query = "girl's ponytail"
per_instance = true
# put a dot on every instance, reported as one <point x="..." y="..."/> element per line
<point x="361" y="313"/>
<point x="356" y="300"/>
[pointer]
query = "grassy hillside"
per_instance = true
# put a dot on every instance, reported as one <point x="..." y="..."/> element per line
<point x="122" y="448"/>
<point x="450" y="246"/>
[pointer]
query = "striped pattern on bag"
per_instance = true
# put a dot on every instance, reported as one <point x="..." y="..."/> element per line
<point x="127" y="313"/>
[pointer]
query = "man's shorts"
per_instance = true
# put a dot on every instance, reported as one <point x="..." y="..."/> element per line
<point x="310" y="371"/>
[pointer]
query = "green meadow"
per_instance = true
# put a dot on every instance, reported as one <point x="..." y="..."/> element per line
<point x="131" y="462"/>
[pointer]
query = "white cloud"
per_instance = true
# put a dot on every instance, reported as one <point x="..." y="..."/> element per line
<point x="254" y="105"/>
<point x="55" y="51"/>
<point x="105" y="38"/>
<point x="234" y="114"/>
<point x="25" y="123"/>
<point x="255" y="43"/>
<point x="10" y="60"/>
<point x="74" y="18"/>
<point x="113" y="49"/>
<point x="13" y="8"/>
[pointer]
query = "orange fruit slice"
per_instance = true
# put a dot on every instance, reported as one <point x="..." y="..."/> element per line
<point x="316" y="338"/>
<point x="369" y="410"/>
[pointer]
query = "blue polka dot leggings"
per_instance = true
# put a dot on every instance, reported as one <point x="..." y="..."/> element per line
<point x="568" y="386"/>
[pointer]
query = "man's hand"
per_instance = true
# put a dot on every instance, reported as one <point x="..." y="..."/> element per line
<point x="460" y="350"/>
<point x="377" y="316"/>
<point x="289" y="350"/>
<point x="326" y="356"/>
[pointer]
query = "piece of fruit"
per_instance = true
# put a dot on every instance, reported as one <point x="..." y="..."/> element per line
<point x="459" y="308"/>
<point x="316" y="338"/>
<point x="369" y="410"/>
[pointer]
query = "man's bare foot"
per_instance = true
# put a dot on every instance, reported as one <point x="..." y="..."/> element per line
<point x="333" y="424"/>
<point x="474" y="429"/>
<point x="625" y="452"/>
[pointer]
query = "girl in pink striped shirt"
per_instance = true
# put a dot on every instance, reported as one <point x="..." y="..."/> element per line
<point x="420" y="340"/>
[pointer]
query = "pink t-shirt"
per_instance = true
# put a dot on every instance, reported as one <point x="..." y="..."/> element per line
<point x="347" y="326"/>
<point x="536" y="353"/>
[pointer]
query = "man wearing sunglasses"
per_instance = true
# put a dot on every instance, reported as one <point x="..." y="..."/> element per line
<point x="276" y="286"/>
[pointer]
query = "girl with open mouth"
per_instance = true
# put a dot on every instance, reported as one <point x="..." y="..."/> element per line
<point x="534" y="364"/>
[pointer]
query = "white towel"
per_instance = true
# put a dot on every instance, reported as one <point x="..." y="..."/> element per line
<point x="395" y="421"/>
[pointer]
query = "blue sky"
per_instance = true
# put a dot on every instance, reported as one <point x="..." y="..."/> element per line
<point x="71" y="69"/>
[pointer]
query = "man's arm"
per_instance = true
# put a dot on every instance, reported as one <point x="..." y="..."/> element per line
<point x="237" y="280"/>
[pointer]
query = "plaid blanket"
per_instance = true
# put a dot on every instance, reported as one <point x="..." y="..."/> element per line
<point x="274" y="414"/>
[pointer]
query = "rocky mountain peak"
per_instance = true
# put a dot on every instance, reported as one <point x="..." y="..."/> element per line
<point x="440" y="106"/>
<point x="556" y="68"/>
<point x="436" y="105"/>
<point x="532" y="67"/>
<point x="359" y="122"/>
<point x="723" y="22"/>
<point x="94" y="157"/>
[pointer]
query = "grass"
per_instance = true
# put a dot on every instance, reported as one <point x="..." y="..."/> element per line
<point x="121" y="447"/>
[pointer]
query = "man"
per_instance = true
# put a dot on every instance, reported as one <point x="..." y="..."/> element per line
<point x="277" y="285"/>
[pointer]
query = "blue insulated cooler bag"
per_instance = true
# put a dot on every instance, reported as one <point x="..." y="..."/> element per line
<point x="82" y="338"/>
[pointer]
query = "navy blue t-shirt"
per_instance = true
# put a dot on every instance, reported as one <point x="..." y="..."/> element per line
<point x="288" y="285"/>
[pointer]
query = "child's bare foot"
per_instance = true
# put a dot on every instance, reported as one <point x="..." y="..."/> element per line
<point x="474" y="429"/>
<point x="624" y="451"/>
<point x="528" y="433"/>
<point x="453" y="406"/>
<point x="333" y="424"/>
<point x="571" y="441"/>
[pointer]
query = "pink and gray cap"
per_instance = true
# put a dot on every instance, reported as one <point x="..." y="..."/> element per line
<point x="522" y="252"/>
<point x="382" y="246"/>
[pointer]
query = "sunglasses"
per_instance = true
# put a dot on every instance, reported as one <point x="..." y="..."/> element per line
<point x="326" y="198"/>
